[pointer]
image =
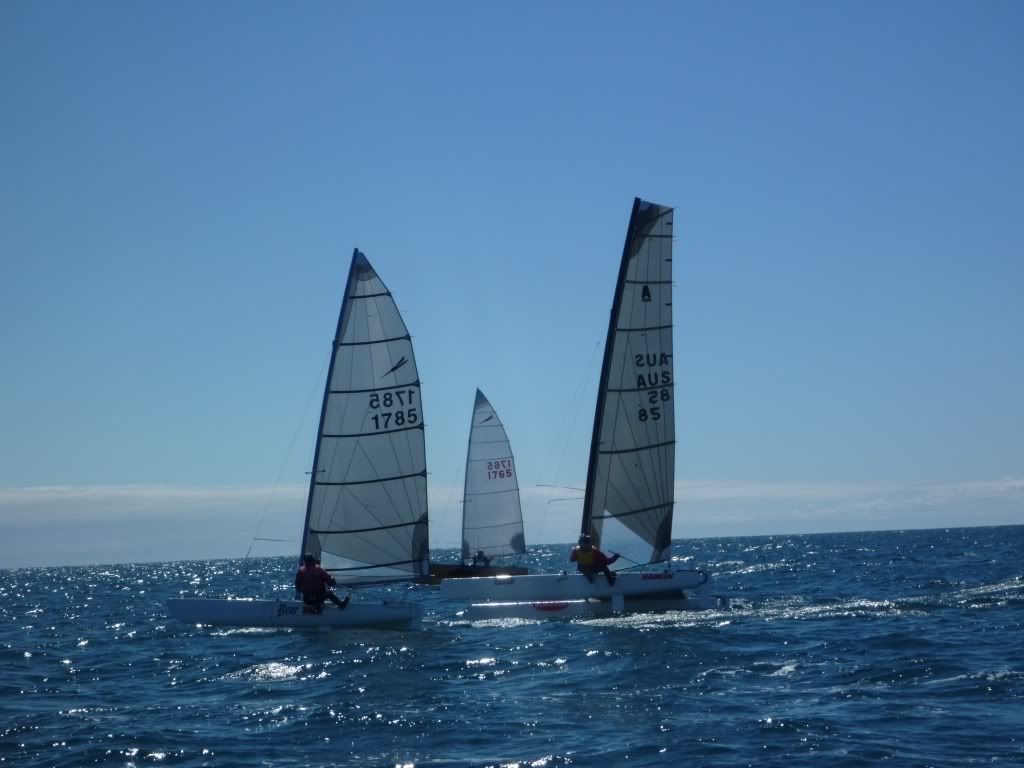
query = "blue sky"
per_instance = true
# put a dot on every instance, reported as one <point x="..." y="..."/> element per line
<point x="182" y="186"/>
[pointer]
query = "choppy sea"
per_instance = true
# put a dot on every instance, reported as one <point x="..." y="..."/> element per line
<point x="840" y="650"/>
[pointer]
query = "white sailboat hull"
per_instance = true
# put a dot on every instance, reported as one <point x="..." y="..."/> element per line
<point x="575" y="586"/>
<point x="292" y="613"/>
<point x="589" y="609"/>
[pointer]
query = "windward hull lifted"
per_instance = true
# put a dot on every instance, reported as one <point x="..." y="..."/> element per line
<point x="293" y="613"/>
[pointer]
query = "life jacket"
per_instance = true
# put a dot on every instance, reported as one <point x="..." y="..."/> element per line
<point x="585" y="557"/>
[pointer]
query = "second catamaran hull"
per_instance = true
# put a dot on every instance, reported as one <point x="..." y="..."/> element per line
<point x="590" y="609"/>
<point x="439" y="571"/>
<point x="292" y="613"/>
<point x="574" y="586"/>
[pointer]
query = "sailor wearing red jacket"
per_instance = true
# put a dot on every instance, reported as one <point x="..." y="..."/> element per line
<point x="590" y="560"/>
<point x="312" y="581"/>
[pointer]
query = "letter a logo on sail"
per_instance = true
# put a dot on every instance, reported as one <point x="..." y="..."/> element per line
<point x="645" y="295"/>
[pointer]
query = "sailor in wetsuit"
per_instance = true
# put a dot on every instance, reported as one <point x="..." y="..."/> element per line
<point x="312" y="581"/>
<point x="481" y="559"/>
<point x="590" y="560"/>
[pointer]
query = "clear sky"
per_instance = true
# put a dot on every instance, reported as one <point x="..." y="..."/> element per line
<point x="182" y="185"/>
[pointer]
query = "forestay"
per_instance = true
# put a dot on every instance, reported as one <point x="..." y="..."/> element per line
<point x="492" y="520"/>
<point x="629" y="494"/>
<point x="366" y="517"/>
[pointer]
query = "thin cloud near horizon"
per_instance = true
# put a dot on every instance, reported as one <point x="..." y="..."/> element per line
<point x="143" y="523"/>
<point x="687" y="491"/>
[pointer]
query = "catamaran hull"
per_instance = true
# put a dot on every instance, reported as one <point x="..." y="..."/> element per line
<point x="589" y="609"/>
<point x="292" y="613"/>
<point x="439" y="571"/>
<point x="562" y="587"/>
<point x="568" y="596"/>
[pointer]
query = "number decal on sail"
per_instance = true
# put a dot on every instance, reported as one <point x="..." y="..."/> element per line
<point x="499" y="469"/>
<point x="653" y="413"/>
<point x="390" y="399"/>
<point x="654" y="395"/>
<point x="403" y="416"/>
<point x="386" y="419"/>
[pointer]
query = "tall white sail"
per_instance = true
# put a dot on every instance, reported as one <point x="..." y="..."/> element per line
<point x="366" y="515"/>
<point x="629" y="496"/>
<point x="492" y="520"/>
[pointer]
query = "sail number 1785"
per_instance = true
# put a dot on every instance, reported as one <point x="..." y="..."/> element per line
<point x="404" y="415"/>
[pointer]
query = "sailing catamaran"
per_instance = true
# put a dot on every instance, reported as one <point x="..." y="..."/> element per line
<point x="629" y="495"/>
<point x="492" y="519"/>
<point x="366" y="512"/>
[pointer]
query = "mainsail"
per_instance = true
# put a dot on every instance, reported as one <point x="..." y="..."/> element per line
<point x="629" y="495"/>
<point x="492" y="521"/>
<point x="366" y="515"/>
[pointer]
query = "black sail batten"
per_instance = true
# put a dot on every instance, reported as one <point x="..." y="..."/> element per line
<point x="492" y="518"/>
<point x="645" y="388"/>
<point x="375" y="480"/>
<point x="638" y="448"/>
<point x="374" y="389"/>
<point x="375" y="341"/>
<point x="376" y="432"/>
<point x="491" y="442"/>
<point x="390" y="564"/>
<point x="361" y="530"/>
<point x="492" y="493"/>
<point x="633" y="512"/>
<point x="372" y="295"/>
<point x="629" y="495"/>
<point x="645" y="328"/>
<point x="366" y="514"/>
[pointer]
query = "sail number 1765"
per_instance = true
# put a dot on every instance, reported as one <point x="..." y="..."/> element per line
<point x="499" y="469"/>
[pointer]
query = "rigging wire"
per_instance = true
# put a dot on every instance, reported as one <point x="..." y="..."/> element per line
<point x="568" y="425"/>
<point x="284" y="463"/>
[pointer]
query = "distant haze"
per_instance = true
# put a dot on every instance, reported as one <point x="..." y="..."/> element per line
<point x="79" y="526"/>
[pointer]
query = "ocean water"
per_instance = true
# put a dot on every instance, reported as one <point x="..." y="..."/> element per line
<point x="841" y="650"/>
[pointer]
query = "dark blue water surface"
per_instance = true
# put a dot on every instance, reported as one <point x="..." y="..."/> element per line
<point x="842" y="649"/>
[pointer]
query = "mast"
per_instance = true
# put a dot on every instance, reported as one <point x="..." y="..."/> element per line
<point x="602" y="387"/>
<point x="465" y="478"/>
<point x="303" y="543"/>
